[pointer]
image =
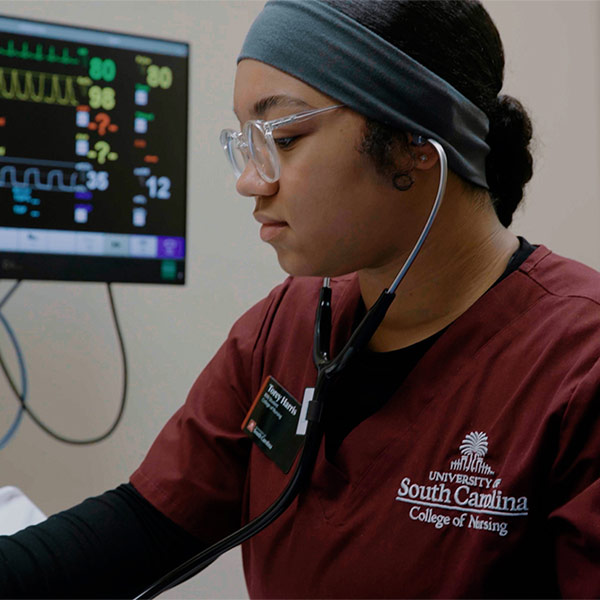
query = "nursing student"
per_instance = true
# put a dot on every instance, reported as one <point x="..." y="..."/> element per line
<point x="461" y="445"/>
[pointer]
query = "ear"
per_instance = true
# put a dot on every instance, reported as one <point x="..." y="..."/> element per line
<point x="424" y="153"/>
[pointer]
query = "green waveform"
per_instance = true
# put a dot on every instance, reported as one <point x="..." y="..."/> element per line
<point x="49" y="88"/>
<point x="39" y="54"/>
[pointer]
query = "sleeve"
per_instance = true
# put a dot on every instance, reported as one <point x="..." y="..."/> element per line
<point x="575" y="521"/>
<point x="111" y="546"/>
<point x="195" y="471"/>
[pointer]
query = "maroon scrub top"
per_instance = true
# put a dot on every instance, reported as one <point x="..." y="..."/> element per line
<point x="478" y="478"/>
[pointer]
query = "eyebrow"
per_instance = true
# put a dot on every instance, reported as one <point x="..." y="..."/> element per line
<point x="282" y="100"/>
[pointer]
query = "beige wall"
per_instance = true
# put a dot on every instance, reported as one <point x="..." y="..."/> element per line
<point x="65" y="329"/>
<point x="553" y="65"/>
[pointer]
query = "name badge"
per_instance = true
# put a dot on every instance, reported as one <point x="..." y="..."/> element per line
<point x="272" y="423"/>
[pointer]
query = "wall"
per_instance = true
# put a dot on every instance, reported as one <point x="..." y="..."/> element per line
<point x="553" y="59"/>
<point x="170" y="333"/>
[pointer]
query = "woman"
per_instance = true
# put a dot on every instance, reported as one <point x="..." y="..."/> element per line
<point x="461" y="447"/>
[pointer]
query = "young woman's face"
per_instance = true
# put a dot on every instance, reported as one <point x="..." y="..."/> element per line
<point x="329" y="213"/>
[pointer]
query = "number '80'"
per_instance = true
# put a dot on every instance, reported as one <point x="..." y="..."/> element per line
<point x="102" y="69"/>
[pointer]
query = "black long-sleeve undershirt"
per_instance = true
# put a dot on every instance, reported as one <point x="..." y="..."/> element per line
<point x="111" y="546"/>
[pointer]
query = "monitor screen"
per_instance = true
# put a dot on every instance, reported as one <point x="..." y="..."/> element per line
<point x="93" y="154"/>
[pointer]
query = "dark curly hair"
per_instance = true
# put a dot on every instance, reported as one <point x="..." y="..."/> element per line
<point x="457" y="40"/>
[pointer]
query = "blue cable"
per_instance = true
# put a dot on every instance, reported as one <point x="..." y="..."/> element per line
<point x="17" y="421"/>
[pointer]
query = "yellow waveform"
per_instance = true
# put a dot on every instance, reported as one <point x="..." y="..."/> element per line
<point x="35" y="86"/>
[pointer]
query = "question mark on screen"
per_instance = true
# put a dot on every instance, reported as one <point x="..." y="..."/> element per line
<point x="103" y="121"/>
<point x="102" y="148"/>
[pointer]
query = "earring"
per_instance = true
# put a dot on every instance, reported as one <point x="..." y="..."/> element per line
<point x="423" y="157"/>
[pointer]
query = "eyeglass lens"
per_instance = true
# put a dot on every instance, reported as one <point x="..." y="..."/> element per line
<point x="238" y="157"/>
<point x="263" y="153"/>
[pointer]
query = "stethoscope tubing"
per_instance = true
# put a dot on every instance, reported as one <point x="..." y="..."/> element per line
<point x="430" y="219"/>
<point x="202" y="560"/>
<point x="328" y="371"/>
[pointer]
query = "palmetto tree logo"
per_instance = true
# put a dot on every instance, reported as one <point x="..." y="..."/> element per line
<point x="473" y="448"/>
<point x="475" y="443"/>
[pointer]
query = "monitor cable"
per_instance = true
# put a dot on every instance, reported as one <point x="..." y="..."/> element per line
<point x="14" y="426"/>
<point x="22" y="396"/>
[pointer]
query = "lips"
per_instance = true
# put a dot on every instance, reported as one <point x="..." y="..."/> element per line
<point x="270" y="227"/>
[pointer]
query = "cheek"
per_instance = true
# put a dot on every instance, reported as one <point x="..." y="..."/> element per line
<point x="343" y="215"/>
<point x="324" y="203"/>
<point x="335" y="224"/>
<point x="327" y="179"/>
<point x="339" y="193"/>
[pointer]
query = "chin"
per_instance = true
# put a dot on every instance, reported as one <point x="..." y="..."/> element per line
<point x="303" y="268"/>
<point x="298" y="271"/>
<point x="296" y="266"/>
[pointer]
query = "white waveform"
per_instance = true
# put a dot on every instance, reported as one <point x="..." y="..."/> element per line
<point x="32" y="177"/>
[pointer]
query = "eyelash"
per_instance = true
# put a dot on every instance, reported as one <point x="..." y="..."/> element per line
<point x="285" y="142"/>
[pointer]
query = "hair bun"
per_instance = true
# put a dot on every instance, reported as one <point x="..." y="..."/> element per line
<point x="509" y="164"/>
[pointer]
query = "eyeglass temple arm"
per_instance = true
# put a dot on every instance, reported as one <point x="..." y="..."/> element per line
<point x="298" y="118"/>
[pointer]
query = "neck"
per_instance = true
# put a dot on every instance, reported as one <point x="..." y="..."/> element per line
<point x="466" y="252"/>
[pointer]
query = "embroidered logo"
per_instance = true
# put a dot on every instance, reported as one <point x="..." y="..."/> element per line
<point x="470" y="487"/>
<point x="473" y="450"/>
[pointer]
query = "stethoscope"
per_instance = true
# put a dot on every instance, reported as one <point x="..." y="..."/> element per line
<point x="329" y="371"/>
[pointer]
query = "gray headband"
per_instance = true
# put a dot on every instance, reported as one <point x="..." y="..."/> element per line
<point x="341" y="58"/>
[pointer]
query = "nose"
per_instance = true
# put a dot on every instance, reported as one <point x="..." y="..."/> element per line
<point x="251" y="184"/>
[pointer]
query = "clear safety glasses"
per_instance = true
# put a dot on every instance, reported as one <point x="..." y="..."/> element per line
<point x="255" y="142"/>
